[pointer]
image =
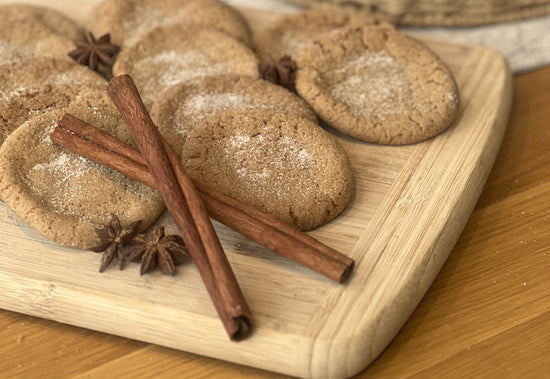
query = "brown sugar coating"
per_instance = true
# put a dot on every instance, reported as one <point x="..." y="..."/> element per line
<point x="129" y="20"/>
<point x="167" y="57"/>
<point x="291" y="33"/>
<point x="285" y="166"/>
<point x="30" y="31"/>
<point x="377" y="85"/>
<point x="36" y="85"/>
<point x="188" y="105"/>
<point x="61" y="194"/>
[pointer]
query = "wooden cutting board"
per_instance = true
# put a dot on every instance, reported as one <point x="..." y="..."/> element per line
<point x="409" y="206"/>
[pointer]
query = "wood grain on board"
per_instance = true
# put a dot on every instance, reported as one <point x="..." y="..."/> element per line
<point x="409" y="207"/>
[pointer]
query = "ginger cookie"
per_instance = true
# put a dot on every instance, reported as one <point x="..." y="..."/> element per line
<point x="129" y="20"/>
<point x="62" y="195"/>
<point x="35" y="85"/>
<point x="291" y="33"/>
<point x="30" y="31"/>
<point x="377" y="85"/>
<point x="188" y="105"/>
<point x="167" y="56"/>
<point x="283" y="165"/>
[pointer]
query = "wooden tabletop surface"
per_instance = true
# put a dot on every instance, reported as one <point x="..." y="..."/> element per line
<point x="487" y="314"/>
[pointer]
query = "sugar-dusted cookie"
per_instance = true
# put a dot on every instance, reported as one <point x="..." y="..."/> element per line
<point x="283" y="165"/>
<point x="377" y="85"/>
<point x="128" y="20"/>
<point x="62" y="195"/>
<point x="30" y="31"/>
<point x="35" y="85"/>
<point x="292" y="32"/>
<point x="175" y="54"/>
<point x="188" y="105"/>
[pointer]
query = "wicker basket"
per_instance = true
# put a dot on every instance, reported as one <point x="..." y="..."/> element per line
<point x="447" y="13"/>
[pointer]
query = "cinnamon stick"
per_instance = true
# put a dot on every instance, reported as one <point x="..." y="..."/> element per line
<point x="186" y="209"/>
<point x="278" y="236"/>
<point x="82" y="138"/>
<point x="85" y="139"/>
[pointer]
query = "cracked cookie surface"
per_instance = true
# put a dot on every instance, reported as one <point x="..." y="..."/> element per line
<point x="167" y="57"/>
<point x="129" y="20"/>
<point x="188" y="105"/>
<point x="33" y="86"/>
<point x="28" y="31"/>
<point x="61" y="194"/>
<point x="285" y="166"/>
<point x="377" y="85"/>
<point x="291" y="33"/>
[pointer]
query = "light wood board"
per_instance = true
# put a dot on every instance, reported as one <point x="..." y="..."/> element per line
<point x="409" y="207"/>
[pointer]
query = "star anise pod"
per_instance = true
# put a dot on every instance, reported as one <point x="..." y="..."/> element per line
<point x="91" y="51"/>
<point x="112" y="236"/>
<point x="158" y="250"/>
<point x="280" y="72"/>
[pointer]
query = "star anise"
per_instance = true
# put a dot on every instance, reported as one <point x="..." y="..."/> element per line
<point x="112" y="236"/>
<point x="158" y="250"/>
<point x="280" y="72"/>
<point x="92" y="52"/>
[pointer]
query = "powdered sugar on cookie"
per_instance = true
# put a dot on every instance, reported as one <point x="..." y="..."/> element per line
<point x="378" y="85"/>
<point x="275" y="154"/>
<point x="374" y="84"/>
<point x="202" y="105"/>
<point x="145" y="18"/>
<point x="180" y="67"/>
<point x="166" y="57"/>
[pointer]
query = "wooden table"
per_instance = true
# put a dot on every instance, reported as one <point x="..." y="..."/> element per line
<point x="486" y="314"/>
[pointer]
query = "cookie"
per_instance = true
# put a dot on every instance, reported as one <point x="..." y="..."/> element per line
<point x="377" y="85"/>
<point x="29" y="31"/>
<point x="283" y="165"/>
<point x="61" y="194"/>
<point x="188" y="105"/>
<point x="129" y="20"/>
<point x="291" y="33"/>
<point x="35" y="85"/>
<point x="167" y="56"/>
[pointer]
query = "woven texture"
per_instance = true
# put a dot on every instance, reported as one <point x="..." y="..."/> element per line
<point x="446" y="12"/>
